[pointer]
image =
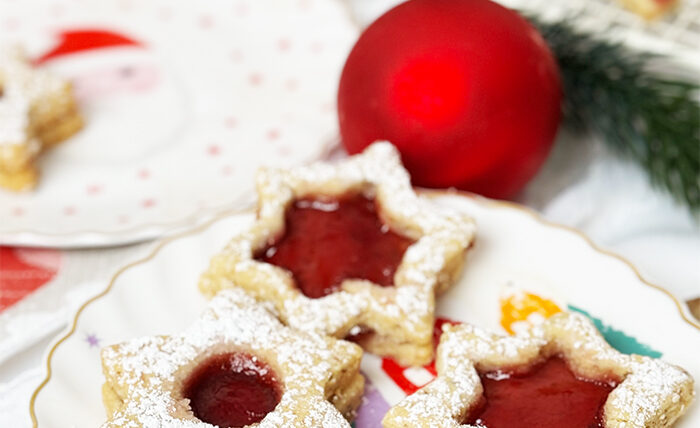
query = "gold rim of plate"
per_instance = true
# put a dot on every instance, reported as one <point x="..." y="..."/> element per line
<point x="426" y="192"/>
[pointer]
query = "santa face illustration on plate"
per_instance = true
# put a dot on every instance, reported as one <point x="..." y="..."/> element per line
<point x="132" y="104"/>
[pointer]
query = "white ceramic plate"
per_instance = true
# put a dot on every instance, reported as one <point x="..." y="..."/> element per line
<point x="158" y="295"/>
<point x="183" y="100"/>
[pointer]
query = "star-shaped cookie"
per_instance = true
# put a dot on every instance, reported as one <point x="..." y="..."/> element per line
<point x="644" y="393"/>
<point x="37" y="110"/>
<point x="147" y="380"/>
<point x="395" y="320"/>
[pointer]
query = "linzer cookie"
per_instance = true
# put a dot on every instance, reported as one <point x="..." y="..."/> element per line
<point x="561" y="373"/>
<point x="237" y="366"/>
<point x="37" y="110"/>
<point x="650" y="9"/>
<point x="348" y="249"/>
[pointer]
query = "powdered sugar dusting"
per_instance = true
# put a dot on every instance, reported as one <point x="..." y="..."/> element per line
<point x="653" y="392"/>
<point x="403" y="312"/>
<point x="650" y="392"/>
<point x="148" y="372"/>
<point x="23" y="87"/>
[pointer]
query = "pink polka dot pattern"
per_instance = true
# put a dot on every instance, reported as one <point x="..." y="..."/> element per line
<point x="148" y="203"/>
<point x="173" y="119"/>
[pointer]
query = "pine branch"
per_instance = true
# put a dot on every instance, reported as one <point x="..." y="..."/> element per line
<point x="652" y="119"/>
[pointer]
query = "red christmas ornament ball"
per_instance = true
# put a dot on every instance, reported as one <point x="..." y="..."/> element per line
<point x="467" y="90"/>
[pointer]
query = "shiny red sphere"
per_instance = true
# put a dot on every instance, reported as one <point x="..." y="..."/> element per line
<point x="467" y="90"/>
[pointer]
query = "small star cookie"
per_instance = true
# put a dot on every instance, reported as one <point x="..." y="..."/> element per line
<point x="196" y="378"/>
<point x="37" y="110"/>
<point x="643" y="392"/>
<point x="651" y="9"/>
<point x="394" y="320"/>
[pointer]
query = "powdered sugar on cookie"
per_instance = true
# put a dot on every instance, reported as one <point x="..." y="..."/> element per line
<point x="400" y="318"/>
<point x="37" y="109"/>
<point x="23" y="87"/>
<point x="649" y="392"/>
<point x="144" y="376"/>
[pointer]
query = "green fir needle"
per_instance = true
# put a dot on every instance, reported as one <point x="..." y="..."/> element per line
<point x="610" y="90"/>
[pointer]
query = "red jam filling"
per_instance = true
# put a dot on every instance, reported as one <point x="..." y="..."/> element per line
<point x="547" y="396"/>
<point x="328" y="241"/>
<point x="232" y="390"/>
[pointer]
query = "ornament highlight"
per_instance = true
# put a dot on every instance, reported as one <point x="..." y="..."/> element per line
<point x="467" y="90"/>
